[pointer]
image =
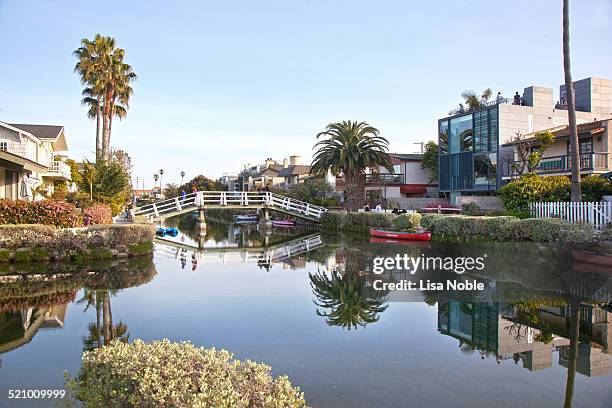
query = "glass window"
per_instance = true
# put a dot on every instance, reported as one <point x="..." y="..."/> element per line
<point x="493" y="139"/>
<point x="397" y="169"/>
<point x="481" y="132"/>
<point x="485" y="169"/>
<point x="460" y="135"/>
<point x="443" y="137"/>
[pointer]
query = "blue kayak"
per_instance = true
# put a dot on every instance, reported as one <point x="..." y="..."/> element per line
<point x="173" y="232"/>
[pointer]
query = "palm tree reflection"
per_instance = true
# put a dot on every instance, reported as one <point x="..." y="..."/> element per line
<point x="345" y="299"/>
<point x="103" y="331"/>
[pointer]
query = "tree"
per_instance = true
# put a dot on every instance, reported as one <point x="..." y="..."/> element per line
<point x="571" y="107"/>
<point x="107" y="77"/>
<point x="314" y="190"/>
<point x="202" y="183"/>
<point x="172" y="190"/>
<point x="88" y="175"/>
<point x="161" y="177"/>
<point x="429" y="160"/>
<point x="349" y="148"/>
<point x="473" y="101"/>
<point x="107" y="182"/>
<point x="182" y="176"/>
<point x="529" y="151"/>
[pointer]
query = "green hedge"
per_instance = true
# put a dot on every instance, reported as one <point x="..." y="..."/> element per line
<point x="163" y="374"/>
<point x="41" y="242"/>
<point x="355" y="221"/>
<point x="507" y="228"/>
<point x="517" y="194"/>
<point x="46" y="212"/>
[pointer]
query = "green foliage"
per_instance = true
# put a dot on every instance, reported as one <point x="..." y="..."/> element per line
<point x="46" y="212"/>
<point x="355" y="221"/>
<point x="23" y="255"/>
<point x="517" y="194"/>
<point x="315" y="191"/>
<point x="407" y="222"/>
<point x="429" y="160"/>
<point x="5" y="255"/>
<point x="507" y="228"/>
<point x="202" y="183"/>
<point x="179" y="375"/>
<point x="142" y="248"/>
<point x="107" y="182"/>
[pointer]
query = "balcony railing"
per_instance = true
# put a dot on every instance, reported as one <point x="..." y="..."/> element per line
<point x="384" y="178"/>
<point x="60" y="168"/>
<point x="557" y="164"/>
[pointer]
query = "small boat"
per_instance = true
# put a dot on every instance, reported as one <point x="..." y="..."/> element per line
<point x="593" y="258"/>
<point x="397" y="241"/>
<point x="414" y="236"/>
<point x="284" y="224"/>
<point x="245" y="219"/>
<point x="173" y="232"/>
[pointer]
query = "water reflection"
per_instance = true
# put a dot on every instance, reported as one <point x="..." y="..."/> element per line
<point x="33" y="301"/>
<point x="544" y="308"/>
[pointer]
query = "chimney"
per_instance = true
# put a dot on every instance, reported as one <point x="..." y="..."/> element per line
<point x="285" y="163"/>
<point x="269" y="162"/>
<point x="294" y="160"/>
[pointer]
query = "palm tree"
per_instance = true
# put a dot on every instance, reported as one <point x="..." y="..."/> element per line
<point x="571" y="107"/>
<point x="101" y="67"/>
<point x="161" y="175"/>
<point x="472" y="100"/>
<point x="573" y="350"/>
<point x="349" y="148"/>
<point x="182" y="177"/>
<point x="92" y="99"/>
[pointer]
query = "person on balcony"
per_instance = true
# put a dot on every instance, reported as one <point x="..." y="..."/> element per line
<point x="517" y="99"/>
<point x="500" y="98"/>
<point x="461" y="108"/>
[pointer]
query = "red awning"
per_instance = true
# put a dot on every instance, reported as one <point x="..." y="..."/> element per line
<point x="408" y="189"/>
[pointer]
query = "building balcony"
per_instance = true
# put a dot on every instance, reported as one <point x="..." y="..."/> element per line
<point x="563" y="164"/>
<point x="58" y="170"/>
<point x="384" y="178"/>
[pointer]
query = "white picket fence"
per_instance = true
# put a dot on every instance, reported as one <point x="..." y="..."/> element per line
<point x="597" y="214"/>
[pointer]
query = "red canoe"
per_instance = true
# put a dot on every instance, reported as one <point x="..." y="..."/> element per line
<point x="414" y="236"/>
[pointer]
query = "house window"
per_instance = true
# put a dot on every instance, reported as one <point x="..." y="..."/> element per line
<point x="4" y="146"/>
<point x="461" y="134"/>
<point x="397" y="169"/>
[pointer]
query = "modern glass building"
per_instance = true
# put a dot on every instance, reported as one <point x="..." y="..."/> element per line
<point x="468" y="151"/>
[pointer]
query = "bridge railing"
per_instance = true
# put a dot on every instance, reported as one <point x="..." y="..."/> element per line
<point x="229" y="198"/>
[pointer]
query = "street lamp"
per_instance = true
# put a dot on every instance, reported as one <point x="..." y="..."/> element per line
<point x="182" y="177"/>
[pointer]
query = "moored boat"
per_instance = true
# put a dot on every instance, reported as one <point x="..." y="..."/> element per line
<point x="284" y="223"/>
<point x="593" y="257"/>
<point x="173" y="232"/>
<point x="414" y="236"/>
<point x="245" y="219"/>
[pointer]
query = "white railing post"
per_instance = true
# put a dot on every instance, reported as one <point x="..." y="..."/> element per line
<point x="178" y="204"/>
<point x="155" y="210"/>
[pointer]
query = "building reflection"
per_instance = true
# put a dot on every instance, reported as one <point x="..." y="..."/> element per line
<point x="18" y="327"/>
<point x="503" y="331"/>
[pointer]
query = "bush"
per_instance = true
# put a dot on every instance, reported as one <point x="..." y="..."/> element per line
<point x="427" y="220"/>
<point x="46" y="212"/>
<point x="355" y="221"/>
<point x="407" y="222"/>
<point x="164" y="374"/>
<point x="595" y="187"/>
<point x="507" y="228"/>
<point x="517" y="194"/>
<point x="97" y="214"/>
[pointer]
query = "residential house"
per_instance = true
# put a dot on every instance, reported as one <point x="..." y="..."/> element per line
<point x="30" y="160"/>
<point x="473" y="143"/>
<point x="595" y="145"/>
<point x="230" y="181"/>
<point x="274" y="174"/>
<point x="407" y="180"/>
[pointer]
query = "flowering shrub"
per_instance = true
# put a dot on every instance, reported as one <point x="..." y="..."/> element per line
<point x="164" y="374"/>
<point x="97" y="214"/>
<point x="46" y="212"/>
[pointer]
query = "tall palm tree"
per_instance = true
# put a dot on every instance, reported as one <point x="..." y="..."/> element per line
<point x="571" y="107"/>
<point x="349" y="148"/>
<point x="101" y="67"/>
<point x="92" y="99"/>
<point x="573" y="350"/>
<point x="473" y="101"/>
<point x="182" y="177"/>
<point x="161" y="176"/>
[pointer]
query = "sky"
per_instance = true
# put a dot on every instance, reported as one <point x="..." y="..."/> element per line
<point x="222" y="84"/>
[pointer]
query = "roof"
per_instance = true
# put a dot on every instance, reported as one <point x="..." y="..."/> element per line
<point x="406" y="156"/>
<point x="294" y="170"/>
<point x="562" y="131"/>
<point x="40" y="131"/>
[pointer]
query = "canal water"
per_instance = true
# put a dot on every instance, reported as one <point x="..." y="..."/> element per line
<point x="311" y="307"/>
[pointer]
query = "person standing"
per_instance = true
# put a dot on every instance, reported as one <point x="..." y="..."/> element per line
<point x="517" y="99"/>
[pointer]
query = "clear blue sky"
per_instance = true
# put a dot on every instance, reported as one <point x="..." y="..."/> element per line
<point x="226" y="83"/>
